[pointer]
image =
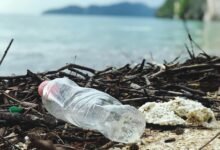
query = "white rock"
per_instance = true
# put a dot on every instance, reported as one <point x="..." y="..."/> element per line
<point x="179" y="111"/>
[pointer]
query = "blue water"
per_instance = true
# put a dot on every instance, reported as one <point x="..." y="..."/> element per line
<point x="47" y="42"/>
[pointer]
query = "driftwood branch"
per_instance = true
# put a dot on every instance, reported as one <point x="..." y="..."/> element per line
<point x="6" y="51"/>
<point x="217" y="135"/>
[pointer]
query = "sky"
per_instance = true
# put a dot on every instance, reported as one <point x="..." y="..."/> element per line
<point x="38" y="6"/>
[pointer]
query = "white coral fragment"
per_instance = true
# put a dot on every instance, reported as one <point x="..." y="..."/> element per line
<point x="179" y="111"/>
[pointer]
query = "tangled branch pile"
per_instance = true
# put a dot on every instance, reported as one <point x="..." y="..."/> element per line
<point x="198" y="79"/>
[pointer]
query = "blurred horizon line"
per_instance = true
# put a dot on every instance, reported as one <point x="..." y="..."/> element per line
<point x="39" y="9"/>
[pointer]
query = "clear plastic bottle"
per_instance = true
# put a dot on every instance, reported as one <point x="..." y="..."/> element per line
<point x="92" y="109"/>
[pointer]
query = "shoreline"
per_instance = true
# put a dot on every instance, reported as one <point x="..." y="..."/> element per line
<point x="197" y="78"/>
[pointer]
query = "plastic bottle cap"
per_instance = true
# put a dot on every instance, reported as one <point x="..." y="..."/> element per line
<point x="41" y="87"/>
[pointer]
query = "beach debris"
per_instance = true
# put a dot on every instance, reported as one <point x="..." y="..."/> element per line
<point x="198" y="79"/>
<point x="15" y="109"/>
<point x="123" y="123"/>
<point x="180" y="111"/>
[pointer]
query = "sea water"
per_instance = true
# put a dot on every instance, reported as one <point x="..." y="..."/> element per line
<point x="47" y="42"/>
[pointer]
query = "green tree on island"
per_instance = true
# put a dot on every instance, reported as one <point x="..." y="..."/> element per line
<point x="188" y="9"/>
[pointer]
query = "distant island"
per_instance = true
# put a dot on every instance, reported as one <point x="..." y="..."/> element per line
<point x="120" y="9"/>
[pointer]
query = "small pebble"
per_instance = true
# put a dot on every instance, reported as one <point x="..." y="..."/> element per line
<point x="134" y="147"/>
<point x="170" y="140"/>
<point x="179" y="131"/>
<point x="26" y="138"/>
